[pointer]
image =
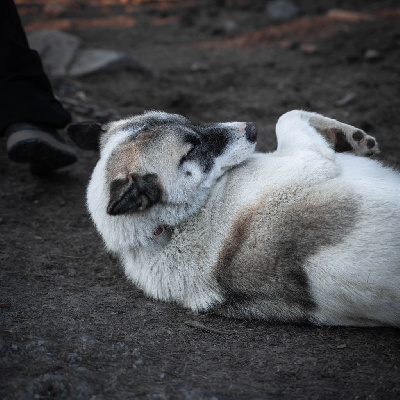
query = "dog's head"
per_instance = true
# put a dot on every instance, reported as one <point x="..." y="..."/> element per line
<point x="164" y="158"/>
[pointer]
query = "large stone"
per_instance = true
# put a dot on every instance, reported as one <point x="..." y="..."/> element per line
<point x="90" y="61"/>
<point x="56" y="48"/>
<point x="282" y="10"/>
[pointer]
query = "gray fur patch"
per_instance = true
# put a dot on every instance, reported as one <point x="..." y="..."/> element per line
<point x="260" y="267"/>
<point x="124" y="160"/>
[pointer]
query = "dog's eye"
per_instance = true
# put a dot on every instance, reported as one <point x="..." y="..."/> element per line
<point x="186" y="156"/>
<point x="194" y="141"/>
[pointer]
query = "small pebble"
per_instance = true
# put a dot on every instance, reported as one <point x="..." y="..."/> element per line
<point x="372" y="55"/>
<point x="346" y="100"/>
<point x="199" y="67"/>
<point x="308" y="48"/>
<point x="282" y="10"/>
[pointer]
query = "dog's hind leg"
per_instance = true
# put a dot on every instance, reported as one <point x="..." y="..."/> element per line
<point x="302" y="129"/>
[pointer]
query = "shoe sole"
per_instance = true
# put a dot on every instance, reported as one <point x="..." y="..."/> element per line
<point x="39" y="149"/>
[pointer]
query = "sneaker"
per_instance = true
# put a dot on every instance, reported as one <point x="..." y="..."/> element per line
<point x="44" y="149"/>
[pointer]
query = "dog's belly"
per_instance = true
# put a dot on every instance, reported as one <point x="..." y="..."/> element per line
<point x="261" y="265"/>
<point x="329" y="253"/>
<point x="357" y="282"/>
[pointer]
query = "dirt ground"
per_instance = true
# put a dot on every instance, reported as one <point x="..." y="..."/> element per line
<point x="72" y="326"/>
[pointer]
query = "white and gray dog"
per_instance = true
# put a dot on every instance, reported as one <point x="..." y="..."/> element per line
<point x="305" y="233"/>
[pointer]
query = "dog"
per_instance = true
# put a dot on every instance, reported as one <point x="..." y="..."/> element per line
<point x="307" y="233"/>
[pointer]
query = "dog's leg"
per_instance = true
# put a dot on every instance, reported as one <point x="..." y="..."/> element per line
<point x="302" y="129"/>
<point x="343" y="137"/>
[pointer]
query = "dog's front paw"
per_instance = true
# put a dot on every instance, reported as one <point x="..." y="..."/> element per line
<point x="364" y="144"/>
<point x="356" y="140"/>
<point x="343" y="137"/>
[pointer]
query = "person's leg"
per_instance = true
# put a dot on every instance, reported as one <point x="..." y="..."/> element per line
<point x="29" y="112"/>
<point x="25" y="91"/>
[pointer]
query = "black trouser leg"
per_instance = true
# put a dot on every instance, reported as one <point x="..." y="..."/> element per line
<point x="26" y="94"/>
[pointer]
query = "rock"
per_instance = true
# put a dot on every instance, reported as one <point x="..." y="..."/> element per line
<point x="349" y="16"/>
<point x="308" y="48"/>
<point x="54" y="10"/>
<point x="282" y="10"/>
<point x="56" y="48"/>
<point x="226" y="27"/>
<point x="230" y="26"/>
<point x="61" y="55"/>
<point x="346" y="100"/>
<point x="288" y="44"/>
<point x="73" y="358"/>
<point x="90" y="61"/>
<point x="199" y="67"/>
<point x="372" y="55"/>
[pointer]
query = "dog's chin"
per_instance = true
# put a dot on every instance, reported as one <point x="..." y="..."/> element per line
<point x="172" y="214"/>
<point x="217" y="174"/>
<point x="226" y="165"/>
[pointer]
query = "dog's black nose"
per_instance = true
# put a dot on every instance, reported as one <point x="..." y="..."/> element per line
<point x="251" y="132"/>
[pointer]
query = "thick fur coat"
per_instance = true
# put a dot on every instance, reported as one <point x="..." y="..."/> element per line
<point x="310" y="232"/>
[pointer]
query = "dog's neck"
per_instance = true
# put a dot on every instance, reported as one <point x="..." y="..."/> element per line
<point x="172" y="216"/>
<point x="159" y="238"/>
<point x="177" y="214"/>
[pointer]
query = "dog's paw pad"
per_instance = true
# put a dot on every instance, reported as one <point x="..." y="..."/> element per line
<point x="358" y="135"/>
<point x="371" y="143"/>
<point x="362" y="144"/>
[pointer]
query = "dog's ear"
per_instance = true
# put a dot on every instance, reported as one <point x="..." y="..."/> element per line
<point x="136" y="193"/>
<point x="85" y="135"/>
